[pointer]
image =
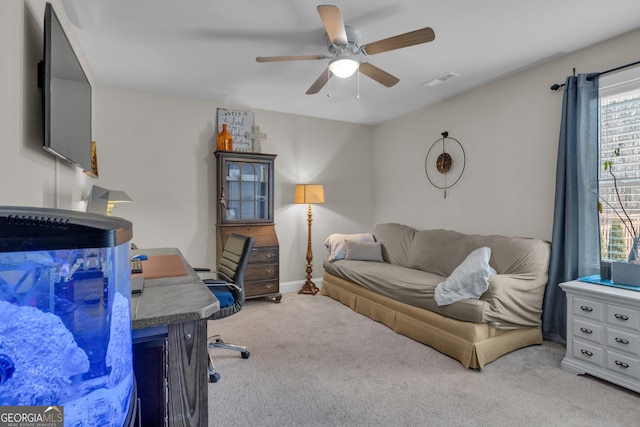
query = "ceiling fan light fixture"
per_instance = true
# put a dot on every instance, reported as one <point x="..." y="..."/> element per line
<point x="343" y="67"/>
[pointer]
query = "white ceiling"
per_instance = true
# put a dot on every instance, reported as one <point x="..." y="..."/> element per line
<point x="207" y="48"/>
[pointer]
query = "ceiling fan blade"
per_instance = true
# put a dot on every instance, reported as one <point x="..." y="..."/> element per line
<point x="411" y="38"/>
<point x="320" y="82"/>
<point x="333" y="24"/>
<point x="378" y="74"/>
<point x="289" y="58"/>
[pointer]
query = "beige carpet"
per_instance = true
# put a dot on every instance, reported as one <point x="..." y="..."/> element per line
<point x="315" y="362"/>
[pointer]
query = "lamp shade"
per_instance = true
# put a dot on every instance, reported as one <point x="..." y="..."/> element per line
<point x="309" y="193"/>
<point x="343" y="67"/>
<point x="115" y="196"/>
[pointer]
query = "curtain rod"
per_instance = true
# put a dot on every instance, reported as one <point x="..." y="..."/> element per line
<point x="558" y="86"/>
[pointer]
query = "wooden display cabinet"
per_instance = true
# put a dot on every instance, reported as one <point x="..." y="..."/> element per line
<point x="245" y="206"/>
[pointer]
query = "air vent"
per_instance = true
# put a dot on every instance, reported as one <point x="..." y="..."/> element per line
<point x="441" y="79"/>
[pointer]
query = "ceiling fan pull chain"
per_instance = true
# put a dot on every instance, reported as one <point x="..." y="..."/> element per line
<point x="358" y="97"/>
<point x="329" y="83"/>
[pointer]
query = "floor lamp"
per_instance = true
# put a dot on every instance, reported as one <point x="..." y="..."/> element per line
<point x="309" y="194"/>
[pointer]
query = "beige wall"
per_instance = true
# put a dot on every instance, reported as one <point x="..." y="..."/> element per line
<point x="28" y="174"/>
<point x="509" y="130"/>
<point x="159" y="149"/>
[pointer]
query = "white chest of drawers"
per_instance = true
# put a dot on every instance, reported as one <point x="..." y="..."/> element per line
<point x="603" y="333"/>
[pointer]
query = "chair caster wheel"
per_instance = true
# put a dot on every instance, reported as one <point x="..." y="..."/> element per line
<point x="245" y="354"/>
<point x="213" y="378"/>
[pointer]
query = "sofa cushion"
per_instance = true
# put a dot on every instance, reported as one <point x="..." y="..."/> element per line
<point x="397" y="241"/>
<point x="439" y="251"/>
<point x="363" y="251"/>
<point x="469" y="280"/>
<point x="335" y="243"/>
<point x="517" y="255"/>
<point x="411" y="286"/>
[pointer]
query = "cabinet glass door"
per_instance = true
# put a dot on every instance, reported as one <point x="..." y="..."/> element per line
<point x="247" y="197"/>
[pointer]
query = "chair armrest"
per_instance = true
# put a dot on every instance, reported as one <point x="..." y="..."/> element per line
<point x="207" y="274"/>
<point x="215" y="282"/>
<point x="233" y="286"/>
<point x="201" y="269"/>
<point x="211" y="284"/>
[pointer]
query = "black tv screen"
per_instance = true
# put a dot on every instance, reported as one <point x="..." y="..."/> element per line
<point x="66" y="97"/>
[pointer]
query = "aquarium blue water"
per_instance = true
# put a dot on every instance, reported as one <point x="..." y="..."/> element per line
<point x="65" y="323"/>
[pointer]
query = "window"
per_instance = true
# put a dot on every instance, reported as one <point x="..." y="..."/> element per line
<point x="620" y="149"/>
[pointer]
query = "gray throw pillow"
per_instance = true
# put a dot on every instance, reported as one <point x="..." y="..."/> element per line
<point x="363" y="251"/>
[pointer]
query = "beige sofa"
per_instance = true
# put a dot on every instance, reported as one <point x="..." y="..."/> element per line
<point x="403" y="283"/>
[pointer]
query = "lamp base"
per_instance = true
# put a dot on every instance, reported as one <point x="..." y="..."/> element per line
<point x="309" y="288"/>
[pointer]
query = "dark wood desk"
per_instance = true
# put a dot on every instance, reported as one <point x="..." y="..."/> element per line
<point x="177" y="308"/>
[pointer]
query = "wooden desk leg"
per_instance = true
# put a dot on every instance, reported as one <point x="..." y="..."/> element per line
<point x="188" y="401"/>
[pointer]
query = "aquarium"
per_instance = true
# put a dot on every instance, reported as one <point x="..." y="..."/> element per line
<point x="65" y="322"/>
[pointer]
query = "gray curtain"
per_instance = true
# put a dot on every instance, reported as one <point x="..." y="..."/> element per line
<point x="575" y="248"/>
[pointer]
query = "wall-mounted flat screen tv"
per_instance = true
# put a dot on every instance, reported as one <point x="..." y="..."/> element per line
<point x="66" y="96"/>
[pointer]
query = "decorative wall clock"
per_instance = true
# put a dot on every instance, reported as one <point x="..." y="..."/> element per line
<point x="445" y="162"/>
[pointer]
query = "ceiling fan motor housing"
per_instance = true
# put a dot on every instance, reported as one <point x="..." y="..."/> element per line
<point x="353" y="42"/>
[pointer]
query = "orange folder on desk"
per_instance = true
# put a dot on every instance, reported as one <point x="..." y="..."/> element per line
<point x="156" y="266"/>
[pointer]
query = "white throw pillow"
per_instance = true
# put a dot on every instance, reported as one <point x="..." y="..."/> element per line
<point x="469" y="280"/>
<point x="335" y="243"/>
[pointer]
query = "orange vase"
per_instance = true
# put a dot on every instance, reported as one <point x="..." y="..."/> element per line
<point x="225" y="140"/>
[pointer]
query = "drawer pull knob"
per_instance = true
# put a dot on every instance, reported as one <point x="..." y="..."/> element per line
<point x="586" y="353"/>
<point x="269" y="256"/>
<point x="622" y="364"/>
<point x="622" y="340"/>
<point x="269" y="286"/>
<point x="586" y="331"/>
<point x="621" y="317"/>
<point x="269" y="271"/>
<point x="586" y="308"/>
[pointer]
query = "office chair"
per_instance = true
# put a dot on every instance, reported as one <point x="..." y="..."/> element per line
<point x="228" y="287"/>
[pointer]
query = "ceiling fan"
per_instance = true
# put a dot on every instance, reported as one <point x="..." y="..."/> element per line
<point x="343" y="43"/>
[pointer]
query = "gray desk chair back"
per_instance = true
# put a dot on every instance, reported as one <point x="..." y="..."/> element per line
<point x="228" y="287"/>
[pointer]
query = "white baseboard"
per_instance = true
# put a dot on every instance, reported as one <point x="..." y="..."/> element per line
<point x="296" y="285"/>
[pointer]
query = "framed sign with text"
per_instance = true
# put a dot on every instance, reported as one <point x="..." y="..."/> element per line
<point x="238" y="124"/>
